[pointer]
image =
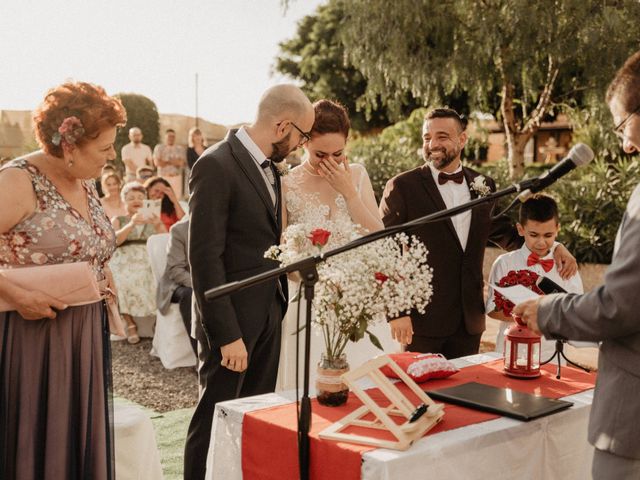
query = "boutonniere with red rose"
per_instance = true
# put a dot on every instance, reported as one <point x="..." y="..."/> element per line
<point x="526" y="278"/>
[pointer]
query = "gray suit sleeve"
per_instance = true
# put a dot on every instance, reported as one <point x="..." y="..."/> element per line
<point x="177" y="263"/>
<point x="611" y="310"/>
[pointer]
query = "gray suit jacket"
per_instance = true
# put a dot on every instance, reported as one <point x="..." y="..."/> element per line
<point x="611" y="314"/>
<point x="177" y="272"/>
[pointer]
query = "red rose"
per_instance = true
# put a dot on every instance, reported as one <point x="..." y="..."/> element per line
<point x="526" y="278"/>
<point x="319" y="237"/>
<point x="381" y="277"/>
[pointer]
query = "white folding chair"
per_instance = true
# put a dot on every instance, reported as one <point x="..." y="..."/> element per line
<point x="171" y="341"/>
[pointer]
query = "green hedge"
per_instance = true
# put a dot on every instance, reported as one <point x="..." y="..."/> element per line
<point x="396" y="149"/>
<point x="591" y="201"/>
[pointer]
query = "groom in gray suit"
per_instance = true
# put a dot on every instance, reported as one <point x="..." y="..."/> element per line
<point x="236" y="215"/>
<point x="609" y="313"/>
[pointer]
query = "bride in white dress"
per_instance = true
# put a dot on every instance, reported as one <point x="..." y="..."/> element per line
<point x="326" y="186"/>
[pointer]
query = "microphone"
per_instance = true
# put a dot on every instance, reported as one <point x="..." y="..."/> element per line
<point x="549" y="286"/>
<point x="580" y="154"/>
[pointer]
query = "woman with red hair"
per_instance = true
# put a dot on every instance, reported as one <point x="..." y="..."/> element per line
<point x="55" y="359"/>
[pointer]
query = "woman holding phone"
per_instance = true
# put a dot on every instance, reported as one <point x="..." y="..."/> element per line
<point x="130" y="265"/>
<point x="170" y="209"/>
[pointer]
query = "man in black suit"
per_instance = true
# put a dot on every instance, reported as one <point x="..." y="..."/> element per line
<point x="455" y="319"/>
<point x="236" y="216"/>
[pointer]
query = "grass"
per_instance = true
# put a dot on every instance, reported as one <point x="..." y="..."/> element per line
<point x="171" y="432"/>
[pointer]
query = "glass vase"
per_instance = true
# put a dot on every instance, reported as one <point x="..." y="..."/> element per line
<point x="330" y="390"/>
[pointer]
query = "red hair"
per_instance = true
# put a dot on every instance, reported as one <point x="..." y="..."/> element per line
<point x="331" y="117"/>
<point x="90" y="103"/>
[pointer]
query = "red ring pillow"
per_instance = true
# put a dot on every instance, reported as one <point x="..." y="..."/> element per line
<point x="421" y="366"/>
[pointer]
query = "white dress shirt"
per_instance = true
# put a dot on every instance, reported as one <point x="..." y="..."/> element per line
<point x="455" y="194"/>
<point x="517" y="260"/>
<point x="258" y="156"/>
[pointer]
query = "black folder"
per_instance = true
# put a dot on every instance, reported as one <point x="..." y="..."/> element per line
<point x="502" y="401"/>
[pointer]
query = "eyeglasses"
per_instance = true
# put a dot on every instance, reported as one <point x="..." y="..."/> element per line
<point x="306" y="136"/>
<point x="619" y="129"/>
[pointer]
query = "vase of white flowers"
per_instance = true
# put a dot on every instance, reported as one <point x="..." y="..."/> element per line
<point x="355" y="289"/>
<point x="330" y="389"/>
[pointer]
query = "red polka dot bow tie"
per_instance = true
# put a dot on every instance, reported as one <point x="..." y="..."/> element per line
<point x="546" y="264"/>
<point x="450" y="177"/>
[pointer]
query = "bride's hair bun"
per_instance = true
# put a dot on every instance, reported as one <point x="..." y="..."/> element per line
<point x="331" y="117"/>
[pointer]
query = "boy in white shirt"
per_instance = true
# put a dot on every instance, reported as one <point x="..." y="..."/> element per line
<point x="539" y="225"/>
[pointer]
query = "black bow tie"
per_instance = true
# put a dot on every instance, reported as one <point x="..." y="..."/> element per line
<point x="457" y="177"/>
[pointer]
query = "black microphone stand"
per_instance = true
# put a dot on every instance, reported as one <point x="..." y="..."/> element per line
<point x="559" y="353"/>
<point x="308" y="271"/>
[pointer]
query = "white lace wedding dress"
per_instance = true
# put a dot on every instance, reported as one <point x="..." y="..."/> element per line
<point x="306" y="201"/>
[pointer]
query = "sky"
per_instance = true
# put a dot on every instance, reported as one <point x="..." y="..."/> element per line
<point x="150" y="47"/>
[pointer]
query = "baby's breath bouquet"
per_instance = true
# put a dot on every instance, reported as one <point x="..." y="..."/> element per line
<point x="379" y="280"/>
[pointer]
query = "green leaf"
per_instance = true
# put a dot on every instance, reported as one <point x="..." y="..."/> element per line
<point x="375" y="340"/>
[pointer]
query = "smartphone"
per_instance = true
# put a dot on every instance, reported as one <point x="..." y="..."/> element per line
<point x="150" y="208"/>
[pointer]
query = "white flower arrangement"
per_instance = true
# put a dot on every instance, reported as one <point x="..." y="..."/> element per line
<point x="479" y="185"/>
<point x="383" y="279"/>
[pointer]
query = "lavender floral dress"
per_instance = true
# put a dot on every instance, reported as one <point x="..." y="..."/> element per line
<point x="55" y="419"/>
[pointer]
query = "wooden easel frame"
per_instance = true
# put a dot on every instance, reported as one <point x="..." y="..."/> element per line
<point x="406" y="433"/>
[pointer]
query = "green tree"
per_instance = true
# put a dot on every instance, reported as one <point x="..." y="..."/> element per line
<point x="142" y="113"/>
<point x="396" y="149"/>
<point x="518" y="59"/>
<point x="316" y="57"/>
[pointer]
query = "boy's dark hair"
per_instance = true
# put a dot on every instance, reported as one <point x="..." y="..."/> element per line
<point x="539" y="208"/>
<point x="448" y="113"/>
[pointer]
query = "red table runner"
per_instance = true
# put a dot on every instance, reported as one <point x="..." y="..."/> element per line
<point x="269" y="436"/>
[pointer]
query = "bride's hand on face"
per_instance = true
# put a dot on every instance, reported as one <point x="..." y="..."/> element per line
<point x="338" y="177"/>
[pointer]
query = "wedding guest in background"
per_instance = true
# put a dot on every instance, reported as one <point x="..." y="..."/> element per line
<point x="175" y="285"/>
<point x="170" y="159"/>
<point x="112" y="202"/>
<point x="130" y="263"/>
<point x="170" y="209"/>
<point x="54" y="359"/>
<point x="196" y="146"/>
<point x="135" y="154"/>
<point x="108" y="168"/>
<point x="236" y="215"/>
<point x="609" y="313"/>
<point x="143" y="174"/>
<point x="455" y="319"/>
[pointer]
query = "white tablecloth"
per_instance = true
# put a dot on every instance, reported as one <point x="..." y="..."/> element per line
<point x="552" y="447"/>
<point x="136" y="453"/>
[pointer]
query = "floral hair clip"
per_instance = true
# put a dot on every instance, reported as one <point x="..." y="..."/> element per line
<point x="70" y="131"/>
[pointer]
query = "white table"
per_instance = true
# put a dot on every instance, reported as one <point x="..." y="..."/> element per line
<point x="552" y="447"/>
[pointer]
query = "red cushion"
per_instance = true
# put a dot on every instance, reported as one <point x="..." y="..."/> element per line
<point x="421" y="366"/>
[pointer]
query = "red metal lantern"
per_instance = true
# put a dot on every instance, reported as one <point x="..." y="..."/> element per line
<point x="521" y="352"/>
